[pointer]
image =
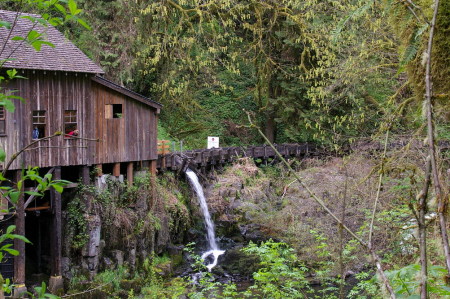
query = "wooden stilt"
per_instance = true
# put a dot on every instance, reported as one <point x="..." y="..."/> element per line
<point x="57" y="228"/>
<point x="84" y="175"/>
<point x="116" y="169"/>
<point x="152" y="169"/>
<point x="130" y="173"/>
<point x="19" y="260"/>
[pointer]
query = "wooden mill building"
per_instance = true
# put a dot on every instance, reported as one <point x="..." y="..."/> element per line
<point x="74" y="119"/>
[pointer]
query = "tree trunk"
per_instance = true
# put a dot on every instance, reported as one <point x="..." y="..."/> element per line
<point x="422" y="210"/>
<point x="431" y="142"/>
<point x="19" y="245"/>
<point x="270" y="127"/>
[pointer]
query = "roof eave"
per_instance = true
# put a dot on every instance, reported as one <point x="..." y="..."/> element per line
<point x="127" y="92"/>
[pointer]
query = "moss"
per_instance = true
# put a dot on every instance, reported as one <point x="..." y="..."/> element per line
<point x="407" y="28"/>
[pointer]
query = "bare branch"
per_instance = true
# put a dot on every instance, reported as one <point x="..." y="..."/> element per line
<point x="377" y="197"/>
<point x="375" y="257"/>
<point x="431" y="142"/>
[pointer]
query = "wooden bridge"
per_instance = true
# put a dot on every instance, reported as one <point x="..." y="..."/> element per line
<point x="202" y="158"/>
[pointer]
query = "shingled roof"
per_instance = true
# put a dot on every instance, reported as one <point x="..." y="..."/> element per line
<point x="65" y="56"/>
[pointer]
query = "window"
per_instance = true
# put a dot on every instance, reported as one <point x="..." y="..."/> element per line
<point x="113" y="111"/>
<point x="70" y="123"/>
<point x="39" y="124"/>
<point x="2" y="121"/>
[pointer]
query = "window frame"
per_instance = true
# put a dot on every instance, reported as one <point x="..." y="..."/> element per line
<point x="112" y="111"/>
<point x="36" y="119"/>
<point x="70" y="122"/>
<point x="3" y="120"/>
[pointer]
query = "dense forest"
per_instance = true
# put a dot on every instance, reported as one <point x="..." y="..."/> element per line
<point x="363" y="75"/>
<point x="328" y="71"/>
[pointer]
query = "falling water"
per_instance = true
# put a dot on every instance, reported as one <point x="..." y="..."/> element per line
<point x="210" y="235"/>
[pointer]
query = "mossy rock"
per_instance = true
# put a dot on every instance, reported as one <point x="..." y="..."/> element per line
<point x="237" y="262"/>
<point x="134" y="284"/>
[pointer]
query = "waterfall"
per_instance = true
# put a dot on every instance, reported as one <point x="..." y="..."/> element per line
<point x="210" y="235"/>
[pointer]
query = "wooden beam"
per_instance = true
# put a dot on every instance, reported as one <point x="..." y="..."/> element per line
<point x="56" y="240"/>
<point x="130" y="178"/>
<point x="116" y="169"/>
<point x="19" y="245"/>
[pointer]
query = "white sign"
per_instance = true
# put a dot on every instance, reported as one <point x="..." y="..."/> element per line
<point x="213" y="142"/>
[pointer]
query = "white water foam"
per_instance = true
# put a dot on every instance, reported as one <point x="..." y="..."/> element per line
<point x="210" y="235"/>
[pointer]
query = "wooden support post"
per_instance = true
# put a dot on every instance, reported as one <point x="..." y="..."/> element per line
<point x="56" y="239"/>
<point x="85" y="175"/>
<point x="130" y="173"/>
<point x="116" y="169"/>
<point x="154" y="194"/>
<point x="163" y="162"/>
<point x="153" y="167"/>
<point x="19" y="260"/>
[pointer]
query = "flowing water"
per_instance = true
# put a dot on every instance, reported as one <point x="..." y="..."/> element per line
<point x="213" y="250"/>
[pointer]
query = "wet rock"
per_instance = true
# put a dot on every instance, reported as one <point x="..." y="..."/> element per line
<point x="176" y="254"/>
<point x="234" y="261"/>
<point x="165" y="269"/>
<point x="117" y="257"/>
<point x="252" y="232"/>
<point x="135" y="285"/>
<point x="65" y="267"/>
<point x="132" y="258"/>
<point x="107" y="263"/>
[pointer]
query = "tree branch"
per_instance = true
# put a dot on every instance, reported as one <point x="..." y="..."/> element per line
<point x="431" y="142"/>
<point x="377" y="197"/>
<point x="375" y="257"/>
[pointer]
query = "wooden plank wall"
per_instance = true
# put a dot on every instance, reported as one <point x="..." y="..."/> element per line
<point x="44" y="91"/>
<point x="130" y="138"/>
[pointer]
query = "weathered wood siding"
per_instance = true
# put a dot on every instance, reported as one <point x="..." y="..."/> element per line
<point x="127" y="139"/>
<point x="133" y="137"/>
<point x="53" y="92"/>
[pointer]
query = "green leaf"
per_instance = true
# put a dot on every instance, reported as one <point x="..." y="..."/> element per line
<point x="83" y="23"/>
<point x="37" y="44"/>
<point x="10" y="229"/>
<point x="9" y="105"/>
<point x="55" y="21"/>
<point x="61" y="9"/>
<point x="5" y="24"/>
<point x="11" y="251"/>
<point x="2" y="155"/>
<point x="14" y="196"/>
<point x="11" y="73"/>
<point x="33" y="193"/>
<point x="58" y="188"/>
<point x="41" y="21"/>
<point x="73" y="8"/>
<point x="19" y="237"/>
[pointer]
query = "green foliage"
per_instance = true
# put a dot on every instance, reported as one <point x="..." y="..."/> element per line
<point x="41" y="293"/>
<point x="405" y="281"/>
<point x="8" y="235"/>
<point x="367" y="286"/>
<point x="281" y="274"/>
<point x="76" y="222"/>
